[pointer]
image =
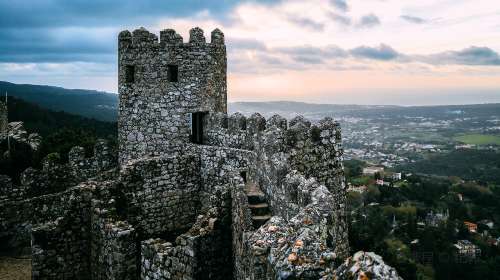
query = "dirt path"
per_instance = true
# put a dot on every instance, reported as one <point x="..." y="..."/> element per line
<point x="18" y="268"/>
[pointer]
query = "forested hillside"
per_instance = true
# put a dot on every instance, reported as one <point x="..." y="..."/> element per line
<point x="60" y="132"/>
<point x="88" y="103"/>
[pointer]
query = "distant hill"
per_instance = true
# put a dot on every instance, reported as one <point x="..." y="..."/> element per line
<point x="46" y="122"/>
<point x="88" y="103"/>
<point x="104" y="106"/>
<point x="290" y="109"/>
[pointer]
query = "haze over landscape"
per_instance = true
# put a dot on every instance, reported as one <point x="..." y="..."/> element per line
<point x="321" y="51"/>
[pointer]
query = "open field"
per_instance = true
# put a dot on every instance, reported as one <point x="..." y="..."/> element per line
<point x="15" y="268"/>
<point x="478" y="139"/>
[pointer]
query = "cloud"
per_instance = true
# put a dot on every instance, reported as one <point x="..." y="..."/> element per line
<point x="55" y="13"/>
<point x="330" y="51"/>
<point x="468" y="56"/>
<point x="413" y="19"/>
<point x="245" y="44"/>
<point x="305" y="22"/>
<point x="311" y="55"/>
<point x="344" y="20"/>
<point x="58" y="45"/>
<point x="382" y="52"/>
<point x="47" y="38"/>
<point x="369" y="20"/>
<point x="340" y="4"/>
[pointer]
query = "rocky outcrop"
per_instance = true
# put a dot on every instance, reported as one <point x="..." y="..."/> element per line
<point x="364" y="266"/>
<point x="18" y="133"/>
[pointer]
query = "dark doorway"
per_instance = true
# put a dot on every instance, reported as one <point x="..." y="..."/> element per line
<point x="197" y="127"/>
<point x="243" y="175"/>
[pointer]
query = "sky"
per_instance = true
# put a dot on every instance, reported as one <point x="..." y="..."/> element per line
<point x="402" y="52"/>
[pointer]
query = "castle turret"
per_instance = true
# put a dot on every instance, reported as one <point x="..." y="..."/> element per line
<point x="166" y="87"/>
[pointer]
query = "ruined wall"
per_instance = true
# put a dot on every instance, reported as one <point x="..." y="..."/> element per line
<point x="314" y="150"/>
<point x="289" y="163"/>
<point x="83" y="168"/>
<point x="114" y="247"/>
<point x="154" y="112"/>
<point x="219" y="164"/>
<point x="317" y="153"/>
<point x="298" y="248"/>
<point x="161" y="259"/>
<point x="9" y="191"/>
<point x="204" y="252"/>
<point x="161" y="195"/>
<point x="60" y="236"/>
<point x="19" y="205"/>
<point x="4" y="119"/>
<point x="241" y="227"/>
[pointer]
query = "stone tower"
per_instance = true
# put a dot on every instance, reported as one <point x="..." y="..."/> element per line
<point x="166" y="87"/>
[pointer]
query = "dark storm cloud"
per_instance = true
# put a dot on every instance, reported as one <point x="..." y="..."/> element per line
<point x="56" y="45"/>
<point x="85" y="30"/>
<point x="56" y="13"/>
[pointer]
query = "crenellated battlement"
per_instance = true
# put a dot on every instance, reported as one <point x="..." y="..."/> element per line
<point x="162" y="83"/>
<point x="169" y="37"/>
<point x="102" y="160"/>
<point x="238" y="131"/>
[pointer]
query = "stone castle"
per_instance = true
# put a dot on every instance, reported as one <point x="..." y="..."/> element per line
<point x="192" y="193"/>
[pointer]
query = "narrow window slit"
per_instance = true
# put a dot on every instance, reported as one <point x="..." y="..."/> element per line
<point x="130" y="73"/>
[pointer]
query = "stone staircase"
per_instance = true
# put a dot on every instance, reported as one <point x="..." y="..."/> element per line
<point x="257" y="204"/>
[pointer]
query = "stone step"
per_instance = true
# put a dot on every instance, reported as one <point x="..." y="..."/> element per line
<point x="258" y="221"/>
<point x="256" y="198"/>
<point x="259" y="209"/>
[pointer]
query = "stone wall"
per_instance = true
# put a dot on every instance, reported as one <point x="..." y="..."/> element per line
<point x="61" y="235"/>
<point x="161" y="195"/>
<point x="83" y="168"/>
<point x="114" y="251"/>
<point x="299" y="248"/>
<point x="313" y="150"/>
<point x="219" y="165"/>
<point x="241" y="227"/>
<point x="32" y="202"/>
<point x="154" y="113"/>
<point x="4" y="119"/>
<point x="204" y="252"/>
<point x="161" y="259"/>
<point x="9" y="191"/>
